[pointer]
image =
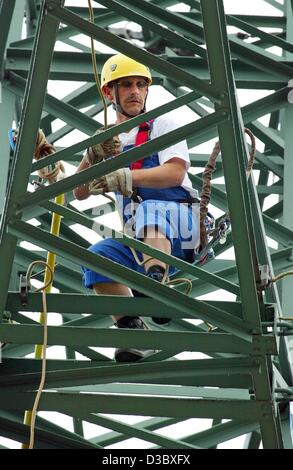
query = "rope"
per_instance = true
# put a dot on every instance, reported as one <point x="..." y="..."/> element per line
<point x="252" y="152"/>
<point x="44" y="346"/>
<point x="43" y="148"/>
<point x="281" y="276"/>
<point x="95" y="68"/>
<point x="205" y="196"/>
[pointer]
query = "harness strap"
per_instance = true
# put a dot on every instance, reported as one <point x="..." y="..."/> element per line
<point x="142" y="136"/>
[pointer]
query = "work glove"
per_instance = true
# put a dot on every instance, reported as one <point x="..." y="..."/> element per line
<point x="104" y="150"/>
<point x="119" y="181"/>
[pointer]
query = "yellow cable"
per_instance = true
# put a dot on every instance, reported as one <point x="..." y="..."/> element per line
<point x="281" y="276"/>
<point x="33" y="413"/>
<point x="95" y="68"/>
<point x="40" y="350"/>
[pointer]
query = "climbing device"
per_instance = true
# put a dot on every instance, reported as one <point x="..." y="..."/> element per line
<point x="210" y="235"/>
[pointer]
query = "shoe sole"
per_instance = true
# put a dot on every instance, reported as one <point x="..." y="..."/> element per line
<point x="128" y="355"/>
<point x="132" y="355"/>
<point x="161" y="320"/>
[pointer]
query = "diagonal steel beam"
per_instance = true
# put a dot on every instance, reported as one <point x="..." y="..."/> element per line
<point x="57" y="108"/>
<point x="6" y="14"/>
<point x="139" y="246"/>
<point x="79" y="404"/>
<point x="139" y="11"/>
<point x="257" y="32"/>
<point x="132" y="279"/>
<point x="37" y="80"/>
<point x="112" y="164"/>
<point x="231" y="139"/>
<point x="127" y="48"/>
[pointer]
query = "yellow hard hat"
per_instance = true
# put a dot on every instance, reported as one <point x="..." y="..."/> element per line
<point x="120" y="66"/>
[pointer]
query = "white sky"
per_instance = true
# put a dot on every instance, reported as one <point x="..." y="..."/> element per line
<point x="61" y="89"/>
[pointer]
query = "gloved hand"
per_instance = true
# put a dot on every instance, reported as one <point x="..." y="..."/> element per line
<point x="119" y="180"/>
<point x="104" y="150"/>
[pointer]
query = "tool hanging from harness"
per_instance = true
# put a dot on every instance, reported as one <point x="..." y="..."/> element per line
<point x="209" y="234"/>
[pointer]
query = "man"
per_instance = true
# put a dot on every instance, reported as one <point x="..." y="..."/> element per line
<point x="155" y="195"/>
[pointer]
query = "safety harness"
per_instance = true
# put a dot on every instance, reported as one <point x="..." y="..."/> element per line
<point x="209" y="234"/>
<point x="142" y="136"/>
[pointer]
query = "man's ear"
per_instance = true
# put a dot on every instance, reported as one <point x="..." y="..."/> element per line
<point x="108" y="92"/>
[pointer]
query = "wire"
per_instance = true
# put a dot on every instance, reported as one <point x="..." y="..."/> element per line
<point x="43" y="373"/>
<point x="281" y="276"/>
<point x="181" y="280"/>
<point x="44" y="346"/>
<point x="252" y="152"/>
<point x="44" y="148"/>
<point x="206" y="183"/>
<point x="29" y="275"/>
<point x="95" y="68"/>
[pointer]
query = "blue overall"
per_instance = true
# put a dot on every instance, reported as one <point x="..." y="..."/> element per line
<point x="168" y="210"/>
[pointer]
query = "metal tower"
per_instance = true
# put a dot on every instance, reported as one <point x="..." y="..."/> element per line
<point x="241" y="382"/>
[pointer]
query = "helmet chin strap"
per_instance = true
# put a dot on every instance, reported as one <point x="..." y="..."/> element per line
<point x="117" y="106"/>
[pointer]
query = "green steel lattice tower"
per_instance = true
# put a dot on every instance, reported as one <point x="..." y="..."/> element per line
<point x="241" y="382"/>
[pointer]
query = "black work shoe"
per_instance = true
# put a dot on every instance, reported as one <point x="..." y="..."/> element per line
<point x="131" y="354"/>
<point x="157" y="273"/>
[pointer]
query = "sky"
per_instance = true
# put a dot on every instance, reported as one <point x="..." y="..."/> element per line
<point x="60" y="89"/>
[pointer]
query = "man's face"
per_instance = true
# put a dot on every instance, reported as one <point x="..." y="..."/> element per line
<point x="132" y="94"/>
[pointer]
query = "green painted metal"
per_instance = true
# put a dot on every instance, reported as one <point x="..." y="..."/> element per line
<point x="64" y="111"/>
<point x="286" y="294"/>
<point x="49" y="435"/>
<point x="246" y="358"/>
<point x="77" y="66"/>
<point x="6" y="14"/>
<point x="10" y="26"/>
<point x="78" y="404"/>
<point x="233" y="160"/>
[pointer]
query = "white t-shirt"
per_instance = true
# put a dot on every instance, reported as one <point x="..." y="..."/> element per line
<point x="161" y="126"/>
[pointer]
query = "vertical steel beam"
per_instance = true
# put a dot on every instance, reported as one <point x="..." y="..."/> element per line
<point x="6" y="15"/>
<point x="233" y="155"/>
<point x="11" y="20"/>
<point x="33" y="103"/>
<point x="31" y="16"/>
<point x="287" y="126"/>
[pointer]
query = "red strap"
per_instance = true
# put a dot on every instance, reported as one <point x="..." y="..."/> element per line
<point x="141" y="137"/>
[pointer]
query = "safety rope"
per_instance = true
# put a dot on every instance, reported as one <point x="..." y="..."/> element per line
<point x="44" y="148"/>
<point x="95" y="68"/>
<point x="281" y="276"/>
<point x="48" y="283"/>
<point x="205" y="196"/>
